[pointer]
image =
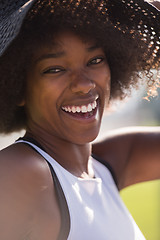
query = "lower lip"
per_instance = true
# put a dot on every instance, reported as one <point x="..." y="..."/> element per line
<point x="83" y="117"/>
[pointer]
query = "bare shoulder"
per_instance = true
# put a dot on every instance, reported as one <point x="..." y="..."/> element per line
<point x="28" y="201"/>
<point x="24" y="166"/>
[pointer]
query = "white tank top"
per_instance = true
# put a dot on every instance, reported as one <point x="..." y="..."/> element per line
<point x="95" y="207"/>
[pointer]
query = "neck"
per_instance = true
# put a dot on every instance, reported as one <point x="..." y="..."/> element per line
<point x="73" y="157"/>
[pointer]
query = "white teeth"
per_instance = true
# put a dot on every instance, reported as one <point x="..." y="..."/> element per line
<point x="89" y="108"/>
<point x="94" y="105"/>
<point x="78" y="109"/>
<point x="84" y="108"/>
<point x="73" y="109"/>
<point x="68" y="109"/>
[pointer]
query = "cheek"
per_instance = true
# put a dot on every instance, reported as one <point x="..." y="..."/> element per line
<point x="107" y="78"/>
<point x="103" y="78"/>
<point x="104" y="82"/>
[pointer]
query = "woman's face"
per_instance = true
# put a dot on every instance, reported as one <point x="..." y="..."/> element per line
<point x="67" y="88"/>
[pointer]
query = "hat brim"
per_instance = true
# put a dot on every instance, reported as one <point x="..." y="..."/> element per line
<point x="126" y="15"/>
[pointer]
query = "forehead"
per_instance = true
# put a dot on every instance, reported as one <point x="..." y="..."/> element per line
<point x="67" y="41"/>
<point x="67" y="36"/>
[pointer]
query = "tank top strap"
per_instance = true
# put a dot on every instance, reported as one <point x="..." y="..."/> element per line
<point x="64" y="211"/>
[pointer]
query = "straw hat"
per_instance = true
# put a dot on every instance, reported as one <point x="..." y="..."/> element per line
<point x="134" y="16"/>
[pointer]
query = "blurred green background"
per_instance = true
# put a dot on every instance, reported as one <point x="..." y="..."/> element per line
<point x="143" y="202"/>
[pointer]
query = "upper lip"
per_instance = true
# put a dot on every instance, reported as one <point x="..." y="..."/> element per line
<point x="82" y="101"/>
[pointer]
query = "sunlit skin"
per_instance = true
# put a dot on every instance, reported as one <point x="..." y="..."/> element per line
<point x="72" y="72"/>
<point x="69" y="72"/>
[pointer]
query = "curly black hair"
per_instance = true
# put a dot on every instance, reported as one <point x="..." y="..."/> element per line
<point x="125" y="55"/>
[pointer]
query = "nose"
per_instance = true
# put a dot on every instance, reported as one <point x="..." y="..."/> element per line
<point x="80" y="83"/>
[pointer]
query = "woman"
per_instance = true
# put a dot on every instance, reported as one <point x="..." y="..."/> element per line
<point x="58" y="71"/>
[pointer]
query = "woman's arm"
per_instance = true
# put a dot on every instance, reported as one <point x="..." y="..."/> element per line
<point x="134" y="154"/>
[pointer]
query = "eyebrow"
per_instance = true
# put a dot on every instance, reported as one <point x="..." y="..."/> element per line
<point x="61" y="54"/>
<point x="50" y="55"/>
<point x="92" y="48"/>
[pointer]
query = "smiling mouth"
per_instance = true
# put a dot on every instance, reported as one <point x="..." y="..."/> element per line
<point x="83" y="111"/>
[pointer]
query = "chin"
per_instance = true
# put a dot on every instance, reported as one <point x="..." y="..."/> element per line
<point x="86" y="138"/>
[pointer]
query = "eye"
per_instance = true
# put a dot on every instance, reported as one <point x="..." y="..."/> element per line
<point x="53" y="70"/>
<point x="95" y="61"/>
